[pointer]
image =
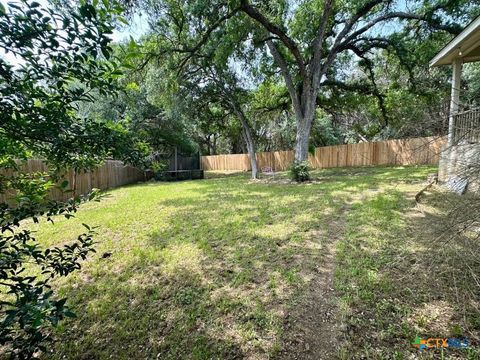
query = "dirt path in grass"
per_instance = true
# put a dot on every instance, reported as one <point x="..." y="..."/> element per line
<point x="312" y="330"/>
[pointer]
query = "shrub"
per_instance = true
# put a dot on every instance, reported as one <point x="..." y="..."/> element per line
<point x="64" y="59"/>
<point x="300" y="171"/>
<point x="159" y="166"/>
<point x="29" y="308"/>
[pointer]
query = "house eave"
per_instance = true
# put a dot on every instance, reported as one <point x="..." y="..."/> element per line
<point x="465" y="46"/>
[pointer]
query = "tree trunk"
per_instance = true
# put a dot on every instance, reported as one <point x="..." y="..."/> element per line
<point x="247" y="135"/>
<point x="214" y="145"/>
<point x="209" y="145"/>
<point x="304" y="121"/>
<point x="303" y="101"/>
<point x="301" y="140"/>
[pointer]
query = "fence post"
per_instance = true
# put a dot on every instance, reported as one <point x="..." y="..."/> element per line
<point x="387" y="152"/>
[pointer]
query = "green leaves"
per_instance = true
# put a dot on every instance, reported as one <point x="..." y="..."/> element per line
<point x="300" y="171"/>
<point x="24" y="321"/>
<point x="58" y="66"/>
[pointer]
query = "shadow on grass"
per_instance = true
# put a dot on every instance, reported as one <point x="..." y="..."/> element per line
<point x="400" y="279"/>
<point x="257" y="251"/>
<point x="217" y="277"/>
<point x="140" y="312"/>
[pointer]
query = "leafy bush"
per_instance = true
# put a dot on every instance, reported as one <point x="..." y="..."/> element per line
<point x="29" y="307"/>
<point x="64" y="58"/>
<point x="300" y="171"/>
<point x="158" y="166"/>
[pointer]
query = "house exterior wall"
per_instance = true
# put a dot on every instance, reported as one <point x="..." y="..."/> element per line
<point x="462" y="161"/>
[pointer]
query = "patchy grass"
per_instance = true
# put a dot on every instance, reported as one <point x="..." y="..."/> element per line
<point x="401" y="275"/>
<point x="210" y="269"/>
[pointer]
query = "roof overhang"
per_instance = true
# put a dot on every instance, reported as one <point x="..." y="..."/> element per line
<point x="465" y="46"/>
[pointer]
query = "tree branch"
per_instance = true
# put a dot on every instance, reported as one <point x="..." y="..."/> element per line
<point x="192" y="51"/>
<point x="364" y="10"/>
<point x="396" y="15"/>
<point x="317" y="43"/>
<point x="371" y="75"/>
<point x="248" y="9"/>
<point x="342" y="41"/>
<point x="287" y="76"/>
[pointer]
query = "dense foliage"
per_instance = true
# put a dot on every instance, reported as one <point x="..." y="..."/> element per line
<point x="53" y="61"/>
<point x="318" y="72"/>
<point x="300" y="171"/>
<point x="141" y="109"/>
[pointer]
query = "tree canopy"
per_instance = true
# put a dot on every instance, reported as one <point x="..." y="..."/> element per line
<point x="210" y="76"/>
<point x="60" y="59"/>
<point x="320" y="53"/>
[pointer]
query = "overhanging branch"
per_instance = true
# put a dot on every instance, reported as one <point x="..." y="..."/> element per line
<point x="287" y="76"/>
<point x="248" y="9"/>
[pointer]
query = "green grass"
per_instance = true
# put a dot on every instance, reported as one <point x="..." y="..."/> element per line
<point x="210" y="269"/>
<point x="399" y="276"/>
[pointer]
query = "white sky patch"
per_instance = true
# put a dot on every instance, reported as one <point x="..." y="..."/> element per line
<point x="137" y="28"/>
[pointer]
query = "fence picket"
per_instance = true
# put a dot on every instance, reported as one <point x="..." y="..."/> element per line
<point x="111" y="174"/>
<point x="414" y="151"/>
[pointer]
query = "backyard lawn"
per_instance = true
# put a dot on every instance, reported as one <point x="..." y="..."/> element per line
<point x="227" y="268"/>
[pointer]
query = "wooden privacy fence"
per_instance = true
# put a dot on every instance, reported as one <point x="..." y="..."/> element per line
<point x="111" y="174"/>
<point x="415" y="151"/>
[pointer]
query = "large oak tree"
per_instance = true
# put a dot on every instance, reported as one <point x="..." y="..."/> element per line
<point x="306" y="40"/>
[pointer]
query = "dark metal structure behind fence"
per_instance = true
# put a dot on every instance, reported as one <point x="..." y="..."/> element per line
<point x="181" y="167"/>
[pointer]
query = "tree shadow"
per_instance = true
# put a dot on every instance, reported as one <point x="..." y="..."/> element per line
<point x="407" y="276"/>
<point x="143" y="313"/>
<point x="218" y="277"/>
